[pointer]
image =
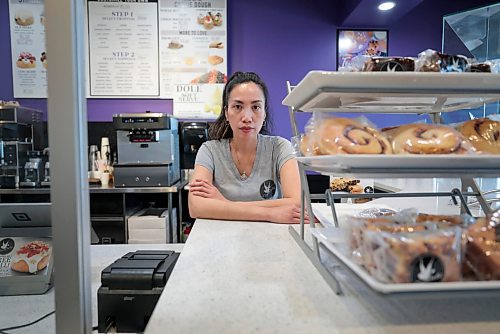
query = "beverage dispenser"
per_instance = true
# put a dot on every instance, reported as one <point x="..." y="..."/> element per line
<point x="148" y="150"/>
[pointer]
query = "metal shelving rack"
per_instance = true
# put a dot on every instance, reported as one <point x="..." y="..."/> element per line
<point x="430" y="93"/>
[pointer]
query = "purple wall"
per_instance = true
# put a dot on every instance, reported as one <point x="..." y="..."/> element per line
<point x="281" y="40"/>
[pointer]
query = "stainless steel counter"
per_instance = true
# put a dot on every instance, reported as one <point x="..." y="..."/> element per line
<point x="101" y="189"/>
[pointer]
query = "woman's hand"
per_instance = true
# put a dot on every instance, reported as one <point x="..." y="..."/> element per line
<point x="203" y="188"/>
<point x="286" y="214"/>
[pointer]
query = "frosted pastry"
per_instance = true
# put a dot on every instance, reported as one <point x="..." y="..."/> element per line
<point x="344" y="135"/>
<point x="32" y="257"/>
<point x="428" y="139"/>
<point x="26" y="60"/>
<point x="483" y="133"/>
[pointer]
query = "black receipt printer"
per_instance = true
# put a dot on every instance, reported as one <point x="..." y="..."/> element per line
<point x="130" y="288"/>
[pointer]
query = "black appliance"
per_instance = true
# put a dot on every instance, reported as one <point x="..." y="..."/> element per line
<point x="130" y="288"/>
<point x="193" y="135"/>
<point x="16" y="139"/>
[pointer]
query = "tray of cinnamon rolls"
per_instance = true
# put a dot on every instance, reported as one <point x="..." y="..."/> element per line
<point x="408" y="251"/>
<point x="353" y="145"/>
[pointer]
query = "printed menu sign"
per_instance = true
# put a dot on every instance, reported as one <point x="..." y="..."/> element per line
<point x="29" y="59"/>
<point x="24" y="256"/>
<point x="193" y="56"/>
<point x="123" y="48"/>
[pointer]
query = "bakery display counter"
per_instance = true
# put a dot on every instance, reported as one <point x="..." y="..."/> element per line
<point x="382" y="92"/>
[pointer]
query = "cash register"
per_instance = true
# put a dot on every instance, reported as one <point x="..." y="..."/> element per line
<point x="130" y="289"/>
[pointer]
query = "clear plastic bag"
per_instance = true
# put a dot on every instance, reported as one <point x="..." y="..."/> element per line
<point x="427" y="256"/>
<point x="434" y="61"/>
<point x="483" y="247"/>
<point x="389" y="64"/>
<point x="428" y="139"/>
<point x="338" y="135"/>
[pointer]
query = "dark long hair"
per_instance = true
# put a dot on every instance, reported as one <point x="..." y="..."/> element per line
<point x="220" y="128"/>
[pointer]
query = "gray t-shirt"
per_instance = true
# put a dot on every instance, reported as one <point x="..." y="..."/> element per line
<point x="264" y="180"/>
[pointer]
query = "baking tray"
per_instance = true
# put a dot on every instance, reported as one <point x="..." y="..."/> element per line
<point x="334" y="240"/>
<point x="433" y="165"/>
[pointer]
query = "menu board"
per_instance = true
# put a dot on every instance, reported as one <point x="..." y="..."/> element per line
<point x="29" y="59"/>
<point x="193" y="56"/>
<point x="172" y="49"/>
<point x="123" y="48"/>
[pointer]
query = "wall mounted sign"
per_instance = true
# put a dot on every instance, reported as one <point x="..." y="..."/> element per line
<point x="353" y="42"/>
<point x="167" y="49"/>
<point x="27" y="39"/>
<point x="193" y="56"/>
<point x="123" y="48"/>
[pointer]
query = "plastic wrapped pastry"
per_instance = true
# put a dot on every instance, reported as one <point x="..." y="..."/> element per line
<point x="343" y="135"/>
<point x="427" y="139"/>
<point x="479" y="67"/>
<point x="433" y="61"/>
<point x="389" y="64"/>
<point x="429" y="256"/>
<point x="407" y="221"/>
<point x="483" y="133"/>
<point x="483" y="247"/>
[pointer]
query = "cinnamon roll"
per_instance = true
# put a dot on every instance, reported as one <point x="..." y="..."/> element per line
<point x="483" y="133"/>
<point x="428" y="139"/>
<point x="308" y="145"/>
<point x="344" y="135"/>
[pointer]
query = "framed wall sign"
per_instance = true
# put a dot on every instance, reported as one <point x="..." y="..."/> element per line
<point x="354" y="42"/>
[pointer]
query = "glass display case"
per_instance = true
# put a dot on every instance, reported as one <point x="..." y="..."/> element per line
<point x="474" y="33"/>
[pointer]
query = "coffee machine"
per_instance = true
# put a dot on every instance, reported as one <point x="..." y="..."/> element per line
<point x="16" y="139"/>
<point x="32" y="170"/>
<point x="46" y="168"/>
<point x="148" y="150"/>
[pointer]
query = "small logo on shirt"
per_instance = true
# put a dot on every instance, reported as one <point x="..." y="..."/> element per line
<point x="267" y="189"/>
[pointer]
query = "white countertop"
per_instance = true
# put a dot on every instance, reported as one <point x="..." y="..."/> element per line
<point x="247" y="277"/>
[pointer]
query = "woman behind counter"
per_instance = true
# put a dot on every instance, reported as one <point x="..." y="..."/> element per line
<point x="243" y="173"/>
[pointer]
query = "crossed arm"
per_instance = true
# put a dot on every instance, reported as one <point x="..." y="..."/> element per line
<point x="205" y="200"/>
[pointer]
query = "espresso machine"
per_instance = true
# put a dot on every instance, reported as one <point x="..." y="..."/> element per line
<point x="148" y="150"/>
<point x="16" y="139"/>
<point x="46" y="168"/>
<point x="32" y="170"/>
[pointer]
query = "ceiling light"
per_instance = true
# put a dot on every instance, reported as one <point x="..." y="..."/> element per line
<point x="386" y="5"/>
